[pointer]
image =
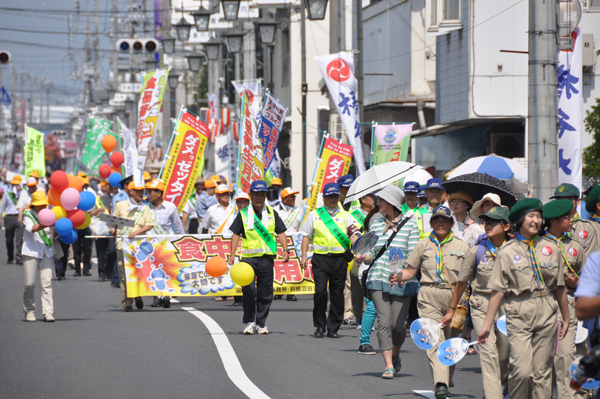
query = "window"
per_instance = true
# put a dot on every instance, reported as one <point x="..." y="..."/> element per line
<point x="451" y="11"/>
<point x="591" y="5"/>
<point x="444" y="16"/>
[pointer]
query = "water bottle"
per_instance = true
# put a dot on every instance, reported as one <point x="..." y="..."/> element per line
<point x="578" y="378"/>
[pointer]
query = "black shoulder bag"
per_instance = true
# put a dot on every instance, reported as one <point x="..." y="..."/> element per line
<point x="363" y="278"/>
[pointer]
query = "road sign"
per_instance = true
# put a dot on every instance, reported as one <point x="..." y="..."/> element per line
<point x="4" y="97"/>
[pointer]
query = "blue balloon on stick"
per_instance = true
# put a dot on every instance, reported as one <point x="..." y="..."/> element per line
<point x="114" y="179"/>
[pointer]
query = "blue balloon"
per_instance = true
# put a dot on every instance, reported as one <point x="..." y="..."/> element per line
<point x="114" y="179"/>
<point x="63" y="226"/>
<point x="69" y="238"/>
<point x="87" y="201"/>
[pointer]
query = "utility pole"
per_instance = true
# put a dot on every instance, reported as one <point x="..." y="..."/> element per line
<point x="359" y="62"/>
<point x="304" y="90"/>
<point x="13" y="115"/>
<point x="48" y="102"/>
<point x="32" y="80"/>
<point x="42" y="83"/>
<point x="542" y="108"/>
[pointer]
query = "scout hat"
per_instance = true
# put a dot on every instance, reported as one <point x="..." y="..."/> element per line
<point x="276" y="182"/>
<point x="16" y="180"/>
<point x="442" y="211"/>
<point x="242" y="195"/>
<point x="496" y="213"/>
<point x="222" y="188"/>
<point x="288" y="191"/>
<point x="34" y="174"/>
<point x="592" y="199"/>
<point x="461" y="195"/>
<point x="476" y="210"/>
<point x="147" y="176"/>
<point x="32" y="181"/>
<point x="39" y="198"/>
<point x="259" y="186"/>
<point x="566" y="190"/>
<point x="132" y="186"/>
<point x="557" y="208"/>
<point x="435" y="183"/>
<point x="411" y="187"/>
<point x="524" y="206"/>
<point x="331" y="189"/>
<point x="392" y="195"/>
<point x="155" y="185"/>
<point x="345" y="181"/>
<point x="210" y="183"/>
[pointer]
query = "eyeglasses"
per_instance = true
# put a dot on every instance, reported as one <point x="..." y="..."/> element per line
<point x="491" y="223"/>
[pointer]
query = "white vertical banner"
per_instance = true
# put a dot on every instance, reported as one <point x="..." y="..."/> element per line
<point x="233" y="157"/>
<point x="223" y="158"/>
<point x="130" y="153"/>
<point x="337" y="70"/>
<point x="213" y="107"/>
<point x="570" y="112"/>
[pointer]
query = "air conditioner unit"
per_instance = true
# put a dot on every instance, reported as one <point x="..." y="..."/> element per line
<point x="588" y="50"/>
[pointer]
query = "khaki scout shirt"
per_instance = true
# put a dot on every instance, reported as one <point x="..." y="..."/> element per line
<point x="478" y="275"/>
<point x="513" y="270"/>
<point x="575" y="256"/>
<point x="587" y="233"/>
<point x="423" y="257"/>
<point x="122" y="210"/>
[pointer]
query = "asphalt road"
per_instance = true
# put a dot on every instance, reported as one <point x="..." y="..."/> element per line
<point x="95" y="350"/>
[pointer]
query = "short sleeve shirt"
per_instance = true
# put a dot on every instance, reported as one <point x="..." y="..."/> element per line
<point x="478" y="274"/>
<point x="587" y="233"/>
<point x="423" y="257"/>
<point x="121" y="210"/>
<point x="574" y="253"/>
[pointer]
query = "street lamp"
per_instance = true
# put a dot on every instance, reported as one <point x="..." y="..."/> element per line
<point x="233" y="38"/>
<point x="231" y="9"/>
<point x="212" y="48"/>
<point x="195" y="60"/>
<point x="267" y="27"/>
<point x="173" y="79"/>
<point x="201" y="18"/>
<point x="316" y="9"/>
<point x="183" y="28"/>
<point x="168" y="43"/>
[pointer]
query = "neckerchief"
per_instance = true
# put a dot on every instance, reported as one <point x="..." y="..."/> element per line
<point x="41" y="232"/>
<point x="532" y="257"/>
<point x="576" y="217"/>
<point x="391" y="224"/>
<point x="439" y="255"/>
<point x="492" y="248"/>
<point x="562" y="250"/>
<point x="595" y="217"/>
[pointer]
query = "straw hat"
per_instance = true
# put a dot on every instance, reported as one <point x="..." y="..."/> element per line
<point x="476" y="210"/>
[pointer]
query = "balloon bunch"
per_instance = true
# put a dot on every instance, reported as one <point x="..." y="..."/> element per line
<point x="113" y="174"/>
<point x="71" y="204"/>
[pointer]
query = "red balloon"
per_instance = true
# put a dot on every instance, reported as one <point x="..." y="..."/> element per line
<point x="77" y="216"/>
<point x="59" y="181"/>
<point x="54" y="196"/>
<point x="117" y="159"/>
<point x="216" y="266"/>
<point x="105" y="171"/>
<point x="75" y="182"/>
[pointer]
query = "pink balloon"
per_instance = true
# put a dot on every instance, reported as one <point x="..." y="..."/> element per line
<point x="70" y="198"/>
<point x="47" y="217"/>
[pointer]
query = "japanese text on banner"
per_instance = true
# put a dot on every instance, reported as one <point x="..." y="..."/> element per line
<point x="272" y="119"/>
<point x="151" y="97"/>
<point x="175" y="266"/>
<point x="35" y="152"/>
<point x="335" y="163"/>
<point x="184" y="159"/>
<point x="251" y="152"/>
<point x="93" y="153"/>
<point x="391" y="143"/>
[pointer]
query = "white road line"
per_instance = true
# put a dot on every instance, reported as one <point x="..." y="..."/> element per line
<point x="232" y="365"/>
<point x="427" y="394"/>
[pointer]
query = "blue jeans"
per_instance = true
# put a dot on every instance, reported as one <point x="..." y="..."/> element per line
<point x="368" y="319"/>
<point x="115" y="277"/>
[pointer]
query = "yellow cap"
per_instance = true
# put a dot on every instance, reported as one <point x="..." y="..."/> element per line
<point x="210" y="183"/>
<point x="34" y="174"/>
<point x="16" y="180"/>
<point x="103" y="183"/>
<point x="276" y="182"/>
<point x="222" y="188"/>
<point x="81" y="174"/>
<point x="147" y="176"/>
<point x="132" y="186"/>
<point x="155" y="185"/>
<point x="242" y="195"/>
<point x="85" y="180"/>
<point x="288" y="191"/>
<point x="39" y="198"/>
<point x="219" y="178"/>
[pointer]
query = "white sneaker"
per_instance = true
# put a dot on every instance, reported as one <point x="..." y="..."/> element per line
<point x="249" y="329"/>
<point x="262" y="330"/>
<point x="30" y="316"/>
<point x="359" y="326"/>
<point x="49" y="318"/>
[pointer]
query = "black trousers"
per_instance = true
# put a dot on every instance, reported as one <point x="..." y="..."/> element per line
<point x="64" y="260"/>
<point x="329" y="269"/>
<point x="106" y="251"/>
<point x="258" y="295"/>
<point x="193" y="227"/>
<point x="82" y="248"/>
<point x="12" y="227"/>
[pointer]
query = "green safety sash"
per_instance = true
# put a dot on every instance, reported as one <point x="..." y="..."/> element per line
<point x="263" y="232"/>
<point x="12" y="197"/>
<point x="136" y="217"/>
<point x="41" y="233"/>
<point x="193" y="199"/>
<point x="291" y="217"/>
<point x="157" y="227"/>
<point x="359" y="216"/>
<point x="333" y="228"/>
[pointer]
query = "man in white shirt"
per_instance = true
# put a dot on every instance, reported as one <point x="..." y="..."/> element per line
<point x="216" y="216"/>
<point x="189" y="211"/>
<point x="8" y="206"/>
<point x="288" y="211"/>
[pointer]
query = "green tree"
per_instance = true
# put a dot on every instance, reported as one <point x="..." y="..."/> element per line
<point x="591" y="154"/>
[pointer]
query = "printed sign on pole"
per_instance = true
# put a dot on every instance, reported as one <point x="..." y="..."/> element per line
<point x="149" y="107"/>
<point x="273" y="117"/>
<point x="93" y="153"/>
<point x="251" y="152"/>
<point x="391" y="143"/>
<point x="34" y="152"/>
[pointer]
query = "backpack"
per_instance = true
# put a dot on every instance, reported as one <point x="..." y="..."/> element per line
<point x="481" y="248"/>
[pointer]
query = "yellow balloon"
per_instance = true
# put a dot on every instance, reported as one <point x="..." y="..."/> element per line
<point x="242" y="273"/>
<point x="60" y="212"/>
<point x="350" y="264"/>
<point x="85" y="224"/>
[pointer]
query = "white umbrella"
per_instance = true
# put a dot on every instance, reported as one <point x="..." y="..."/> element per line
<point x="420" y="176"/>
<point x="378" y="177"/>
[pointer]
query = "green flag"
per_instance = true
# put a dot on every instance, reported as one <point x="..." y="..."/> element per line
<point x="93" y="153"/>
<point x="34" y="152"/>
<point x="390" y="143"/>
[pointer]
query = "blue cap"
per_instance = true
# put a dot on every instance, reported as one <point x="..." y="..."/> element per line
<point x="435" y="183"/>
<point x="259" y="186"/>
<point x="441" y="211"/>
<point x="345" y="181"/>
<point x="331" y="189"/>
<point x="411" y="187"/>
<point x="421" y="192"/>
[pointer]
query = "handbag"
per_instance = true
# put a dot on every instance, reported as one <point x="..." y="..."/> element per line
<point x="363" y="278"/>
<point x="460" y="313"/>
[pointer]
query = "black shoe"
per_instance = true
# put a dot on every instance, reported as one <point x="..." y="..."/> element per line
<point x="59" y="278"/>
<point x="332" y="335"/>
<point x="441" y="391"/>
<point x="291" y="298"/>
<point x="76" y="274"/>
<point x="319" y="332"/>
<point x="87" y="273"/>
<point x="139" y="303"/>
<point x="115" y="285"/>
<point x="278" y="296"/>
<point x="366" y="349"/>
<point x="166" y="302"/>
<point x="237" y="304"/>
<point x="19" y="262"/>
<point x="157" y="303"/>
<point x="128" y="309"/>
<point x="9" y="262"/>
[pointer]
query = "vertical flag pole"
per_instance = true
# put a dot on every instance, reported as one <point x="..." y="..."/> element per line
<point x="373" y="125"/>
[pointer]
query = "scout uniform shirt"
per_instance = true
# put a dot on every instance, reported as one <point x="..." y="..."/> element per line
<point x="478" y="274"/>
<point x="587" y="233"/>
<point x="126" y="209"/>
<point x="424" y="257"/>
<point x="574" y="252"/>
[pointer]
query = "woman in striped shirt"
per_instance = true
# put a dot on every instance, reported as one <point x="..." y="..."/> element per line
<point x="391" y="302"/>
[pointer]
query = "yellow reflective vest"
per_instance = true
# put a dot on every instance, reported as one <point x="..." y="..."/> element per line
<point x="253" y="245"/>
<point x="323" y="241"/>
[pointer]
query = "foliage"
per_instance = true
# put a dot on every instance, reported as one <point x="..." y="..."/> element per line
<point x="591" y="154"/>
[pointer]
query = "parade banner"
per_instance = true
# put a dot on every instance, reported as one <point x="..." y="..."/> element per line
<point x="250" y="166"/>
<point x="252" y="89"/>
<point x="175" y="266"/>
<point x="184" y="159"/>
<point x="224" y="149"/>
<point x="390" y="143"/>
<point x="213" y="106"/>
<point x="334" y="163"/>
<point x="35" y="158"/>
<point x="337" y="70"/>
<point x="149" y="107"/>
<point x="271" y="123"/>
<point x="570" y="112"/>
<point x="93" y="153"/>
<point x="130" y="153"/>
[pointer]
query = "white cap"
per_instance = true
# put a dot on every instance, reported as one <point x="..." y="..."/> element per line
<point x="32" y="181"/>
<point x="222" y="188"/>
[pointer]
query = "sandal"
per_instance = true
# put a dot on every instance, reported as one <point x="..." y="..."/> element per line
<point x="472" y="351"/>
<point x="397" y="363"/>
<point x="388" y="374"/>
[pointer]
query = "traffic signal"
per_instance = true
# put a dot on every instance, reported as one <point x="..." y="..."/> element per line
<point x="137" y="45"/>
<point x="5" y="57"/>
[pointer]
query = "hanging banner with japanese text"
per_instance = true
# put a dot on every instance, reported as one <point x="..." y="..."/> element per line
<point x="390" y="143"/>
<point x="175" y="266"/>
<point x="130" y="153"/>
<point x="35" y="159"/>
<point x="271" y="123"/>
<point x="93" y="154"/>
<point x="337" y="70"/>
<point x="334" y="163"/>
<point x="184" y="159"/>
<point x="250" y="167"/>
<point x="570" y="112"/>
<point x="224" y="149"/>
<point x="149" y="107"/>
